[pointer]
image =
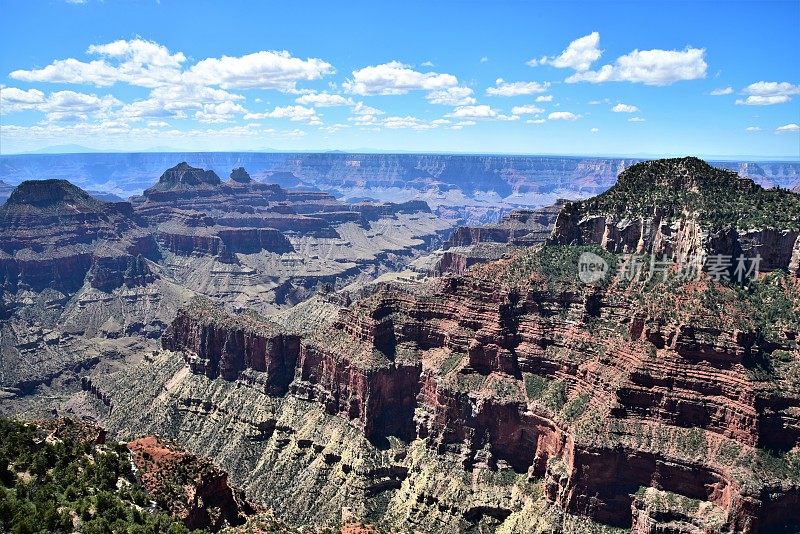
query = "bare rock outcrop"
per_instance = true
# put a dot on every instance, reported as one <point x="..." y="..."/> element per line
<point x="191" y="488"/>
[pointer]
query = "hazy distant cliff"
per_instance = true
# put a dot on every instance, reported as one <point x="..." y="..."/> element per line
<point x="474" y="188"/>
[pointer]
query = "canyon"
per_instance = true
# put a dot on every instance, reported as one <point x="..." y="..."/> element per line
<point x="465" y="188"/>
<point x="486" y="389"/>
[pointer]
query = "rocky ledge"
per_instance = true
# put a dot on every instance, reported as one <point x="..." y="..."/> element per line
<point x="686" y="208"/>
<point x="191" y="488"/>
<point x="585" y="388"/>
<point x="52" y="234"/>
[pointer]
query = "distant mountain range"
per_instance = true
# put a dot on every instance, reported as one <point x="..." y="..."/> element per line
<point x="471" y="188"/>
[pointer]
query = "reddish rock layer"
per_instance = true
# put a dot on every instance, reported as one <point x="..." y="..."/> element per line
<point x="459" y="363"/>
<point x="190" y="487"/>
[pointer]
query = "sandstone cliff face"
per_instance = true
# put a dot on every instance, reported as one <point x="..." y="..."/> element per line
<point x="191" y="488"/>
<point x="514" y="377"/>
<point x="685" y="208"/>
<point x="53" y="233"/>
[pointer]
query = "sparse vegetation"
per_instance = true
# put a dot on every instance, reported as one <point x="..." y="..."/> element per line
<point x="65" y="485"/>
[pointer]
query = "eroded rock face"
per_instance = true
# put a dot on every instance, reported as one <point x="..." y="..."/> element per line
<point x="53" y="233"/>
<point x="686" y="208"/>
<point x="191" y="488"/>
<point x="519" y="379"/>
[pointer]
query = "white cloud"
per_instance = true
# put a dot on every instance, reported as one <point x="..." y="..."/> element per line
<point x="408" y="122"/>
<point x="263" y="70"/>
<point x="504" y="88"/>
<point x="426" y="64"/>
<point x="293" y="113"/>
<point x="157" y="124"/>
<point x="788" y="128"/>
<point x="756" y="100"/>
<point x="752" y="129"/>
<point x="148" y="64"/>
<point x="650" y="67"/>
<point x="544" y="98"/>
<point x="59" y="105"/>
<point x="768" y="93"/>
<point x="535" y="121"/>
<point x="13" y="99"/>
<point x="395" y="78"/>
<point x="452" y="96"/>
<point x="594" y="130"/>
<point x="721" y="91"/>
<point x="481" y="111"/>
<point x="216" y="113"/>
<point x="485" y="59"/>
<point x="136" y="62"/>
<point x="526" y="110"/>
<point x="636" y="119"/>
<point x="322" y="100"/>
<point x="562" y="116"/>
<point x="624" y="108"/>
<point x="596" y="102"/>
<point x="579" y="54"/>
<point x="362" y="109"/>
<point x="462" y="124"/>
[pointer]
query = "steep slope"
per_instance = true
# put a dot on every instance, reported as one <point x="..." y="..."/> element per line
<point x="512" y="397"/>
<point x="60" y="475"/>
<point x="260" y="245"/>
<point x="686" y="208"/>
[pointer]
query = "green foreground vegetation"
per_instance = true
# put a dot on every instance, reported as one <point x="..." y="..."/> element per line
<point x="67" y="486"/>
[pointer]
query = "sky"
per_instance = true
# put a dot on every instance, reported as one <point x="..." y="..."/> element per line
<point x="599" y="78"/>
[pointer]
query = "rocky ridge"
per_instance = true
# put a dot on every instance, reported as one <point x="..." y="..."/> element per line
<point x="684" y="208"/>
<point x="191" y="488"/>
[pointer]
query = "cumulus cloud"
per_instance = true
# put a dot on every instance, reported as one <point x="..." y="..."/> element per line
<point x="452" y="96"/>
<point x="322" y="100"/>
<point x="562" y="116"/>
<point x="135" y="62"/>
<point x="721" y="91"/>
<point x="535" y="121"/>
<point x="788" y="128"/>
<point x="362" y="109"/>
<point x="427" y="64"/>
<point x="13" y="99"/>
<point x="594" y="130"/>
<point x="481" y="111"/>
<point x="579" y="55"/>
<point x="222" y="112"/>
<point x="148" y="64"/>
<point x="263" y="70"/>
<point x="293" y="113"/>
<point x="649" y="67"/>
<point x="395" y="78"/>
<point x="768" y="93"/>
<point x="636" y="119"/>
<point x="504" y="88"/>
<point x="407" y="122"/>
<point x="526" y="110"/>
<point x="752" y="129"/>
<point x="624" y="108"/>
<point x="544" y="98"/>
<point x="59" y="105"/>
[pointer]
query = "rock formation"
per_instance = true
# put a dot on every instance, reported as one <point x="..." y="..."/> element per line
<point x="473" y="399"/>
<point x="684" y="208"/>
<point x="54" y="233"/>
<point x="191" y="488"/>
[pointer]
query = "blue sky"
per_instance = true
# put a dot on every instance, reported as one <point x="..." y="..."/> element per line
<point x="599" y="78"/>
